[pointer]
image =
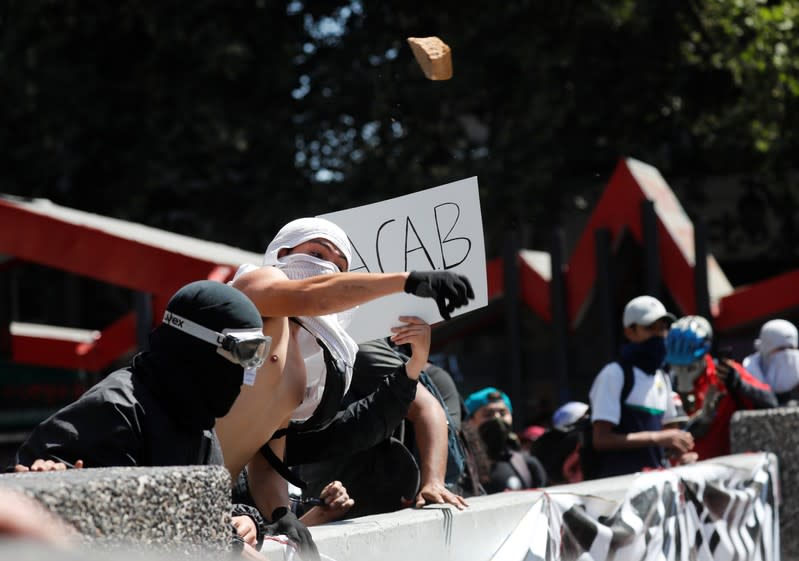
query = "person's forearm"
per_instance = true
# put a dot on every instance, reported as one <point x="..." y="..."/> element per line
<point x="760" y="395"/>
<point x="414" y="367"/>
<point x="430" y="427"/>
<point x="318" y="295"/>
<point x="317" y="516"/>
<point x="614" y="441"/>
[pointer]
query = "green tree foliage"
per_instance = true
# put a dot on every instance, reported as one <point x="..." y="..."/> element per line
<point x="224" y="120"/>
<point x="755" y="45"/>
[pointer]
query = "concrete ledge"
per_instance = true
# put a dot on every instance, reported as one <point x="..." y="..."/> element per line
<point x="446" y="534"/>
<point x="188" y="508"/>
<point x="777" y="431"/>
<point x="20" y="550"/>
<point x="181" y="507"/>
<point x="440" y="533"/>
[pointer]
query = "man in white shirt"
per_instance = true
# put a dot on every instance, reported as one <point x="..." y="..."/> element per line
<point x="631" y="399"/>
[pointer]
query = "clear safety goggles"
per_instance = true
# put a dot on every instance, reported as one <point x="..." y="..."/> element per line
<point x="246" y="347"/>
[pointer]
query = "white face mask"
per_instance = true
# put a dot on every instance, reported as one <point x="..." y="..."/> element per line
<point x="782" y="372"/>
<point x="301" y="266"/>
<point x="686" y="375"/>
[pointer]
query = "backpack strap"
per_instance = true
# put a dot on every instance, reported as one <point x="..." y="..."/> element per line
<point x="519" y="465"/>
<point x="279" y="466"/>
<point x="629" y="380"/>
<point x="590" y="457"/>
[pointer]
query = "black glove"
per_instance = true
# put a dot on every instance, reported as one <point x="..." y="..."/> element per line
<point x="728" y="375"/>
<point x="286" y="523"/>
<point x="448" y="289"/>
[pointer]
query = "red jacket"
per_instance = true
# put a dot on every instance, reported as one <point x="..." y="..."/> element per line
<point x="743" y="392"/>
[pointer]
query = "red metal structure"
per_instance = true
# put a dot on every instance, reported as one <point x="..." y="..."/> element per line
<point x="619" y="210"/>
<point x="114" y="251"/>
<point x="158" y="262"/>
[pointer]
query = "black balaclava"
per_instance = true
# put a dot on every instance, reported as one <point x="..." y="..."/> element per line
<point x="193" y="382"/>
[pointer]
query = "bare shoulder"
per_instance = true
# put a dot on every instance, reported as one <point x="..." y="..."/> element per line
<point x="259" y="278"/>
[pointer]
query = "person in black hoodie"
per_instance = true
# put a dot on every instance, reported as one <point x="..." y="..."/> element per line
<point x="161" y="410"/>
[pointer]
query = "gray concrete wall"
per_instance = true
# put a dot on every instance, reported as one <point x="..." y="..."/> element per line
<point x="187" y="508"/>
<point x="777" y="431"/>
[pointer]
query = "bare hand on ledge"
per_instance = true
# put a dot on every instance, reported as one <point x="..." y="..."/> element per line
<point x="437" y="493"/>
<point x="47" y="465"/>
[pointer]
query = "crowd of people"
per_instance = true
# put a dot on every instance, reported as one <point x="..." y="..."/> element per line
<point x="668" y="398"/>
<point x="261" y="376"/>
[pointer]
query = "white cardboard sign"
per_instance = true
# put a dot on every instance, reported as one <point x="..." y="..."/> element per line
<point x="436" y="229"/>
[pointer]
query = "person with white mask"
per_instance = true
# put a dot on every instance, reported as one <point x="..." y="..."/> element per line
<point x="776" y="359"/>
<point x="303" y="291"/>
<point x="711" y="388"/>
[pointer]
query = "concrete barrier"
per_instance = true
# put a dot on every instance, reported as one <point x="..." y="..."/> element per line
<point x="184" y="507"/>
<point x="446" y="534"/>
<point x="777" y="431"/>
<point x="189" y="507"/>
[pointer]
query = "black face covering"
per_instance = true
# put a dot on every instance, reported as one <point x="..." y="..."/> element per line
<point x="192" y="381"/>
<point x="647" y="355"/>
<point x="496" y="435"/>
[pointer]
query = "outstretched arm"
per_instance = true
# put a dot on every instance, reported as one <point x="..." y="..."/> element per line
<point x="277" y="296"/>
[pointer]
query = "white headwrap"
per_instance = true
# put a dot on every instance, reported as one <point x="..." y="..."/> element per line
<point x="776" y="361"/>
<point x="776" y="334"/>
<point x="304" y="230"/>
<point x="328" y="328"/>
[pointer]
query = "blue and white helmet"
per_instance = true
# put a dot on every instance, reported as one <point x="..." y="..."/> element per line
<point x="688" y="341"/>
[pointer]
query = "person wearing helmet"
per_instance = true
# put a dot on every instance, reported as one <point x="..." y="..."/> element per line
<point x="776" y="360"/>
<point x="711" y="389"/>
<point x="631" y="404"/>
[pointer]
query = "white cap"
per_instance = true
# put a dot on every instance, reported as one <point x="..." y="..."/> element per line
<point x="776" y="334"/>
<point x="645" y="310"/>
<point x="568" y="414"/>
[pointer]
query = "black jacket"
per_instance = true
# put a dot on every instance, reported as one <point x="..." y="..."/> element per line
<point x="363" y="424"/>
<point x="119" y="422"/>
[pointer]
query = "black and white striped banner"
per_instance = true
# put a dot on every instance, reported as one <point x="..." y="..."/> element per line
<point x="708" y="512"/>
